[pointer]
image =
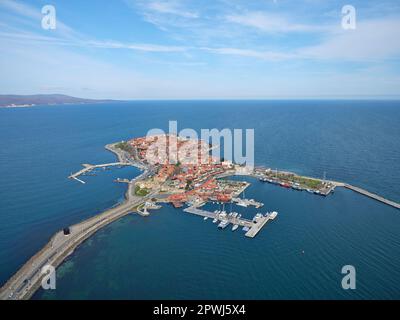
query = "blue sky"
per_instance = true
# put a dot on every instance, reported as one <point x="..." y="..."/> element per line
<point x="191" y="49"/>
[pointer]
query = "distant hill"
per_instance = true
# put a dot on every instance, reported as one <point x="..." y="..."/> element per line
<point x="42" y="99"/>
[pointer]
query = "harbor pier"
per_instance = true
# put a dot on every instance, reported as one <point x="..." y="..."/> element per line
<point x="372" y="196"/>
<point x="90" y="167"/>
<point x="254" y="226"/>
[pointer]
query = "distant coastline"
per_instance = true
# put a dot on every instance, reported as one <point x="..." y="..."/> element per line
<point x="18" y="106"/>
<point x="27" y="101"/>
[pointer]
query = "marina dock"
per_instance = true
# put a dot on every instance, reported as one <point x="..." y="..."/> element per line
<point x="254" y="227"/>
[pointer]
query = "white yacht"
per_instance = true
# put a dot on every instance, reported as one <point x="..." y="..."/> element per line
<point x="257" y="217"/>
<point x="273" y="215"/>
<point x="223" y="224"/>
<point x="242" y="203"/>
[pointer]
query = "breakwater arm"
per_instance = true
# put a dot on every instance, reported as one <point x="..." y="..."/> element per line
<point x="372" y="196"/>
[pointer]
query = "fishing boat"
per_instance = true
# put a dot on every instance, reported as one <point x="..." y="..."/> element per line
<point x="285" y="185"/>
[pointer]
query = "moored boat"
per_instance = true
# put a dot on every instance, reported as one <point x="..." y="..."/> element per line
<point x="273" y="215"/>
<point x="257" y="217"/>
<point x="223" y="224"/>
<point x="285" y="185"/>
<point x="241" y="203"/>
<point x="296" y="186"/>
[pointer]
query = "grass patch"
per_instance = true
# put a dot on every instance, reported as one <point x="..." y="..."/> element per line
<point x="125" y="146"/>
<point x="303" y="181"/>
<point x="141" y="192"/>
<point x="310" y="183"/>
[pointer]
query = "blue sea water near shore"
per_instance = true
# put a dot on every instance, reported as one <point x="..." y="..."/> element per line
<point x="176" y="255"/>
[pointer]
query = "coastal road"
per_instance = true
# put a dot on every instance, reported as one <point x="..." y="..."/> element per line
<point x="28" y="279"/>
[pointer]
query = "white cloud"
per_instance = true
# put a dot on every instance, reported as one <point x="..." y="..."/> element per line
<point x="372" y="40"/>
<point x="35" y="15"/>
<point x="135" y="46"/>
<point x="164" y="13"/>
<point x="28" y="37"/>
<point x="46" y="63"/>
<point x="171" y="7"/>
<point x="272" y="23"/>
<point x="65" y="35"/>
<point x="264" y="55"/>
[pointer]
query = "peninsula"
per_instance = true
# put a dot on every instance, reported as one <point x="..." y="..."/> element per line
<point x="188" y="175"/>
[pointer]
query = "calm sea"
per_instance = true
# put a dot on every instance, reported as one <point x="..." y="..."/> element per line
<point x="175" y="255"/>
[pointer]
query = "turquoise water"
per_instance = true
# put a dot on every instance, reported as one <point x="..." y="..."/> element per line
<point x="175" y="255"/>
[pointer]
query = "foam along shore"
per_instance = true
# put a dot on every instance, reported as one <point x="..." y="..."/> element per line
<point x="23" y="284"/>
